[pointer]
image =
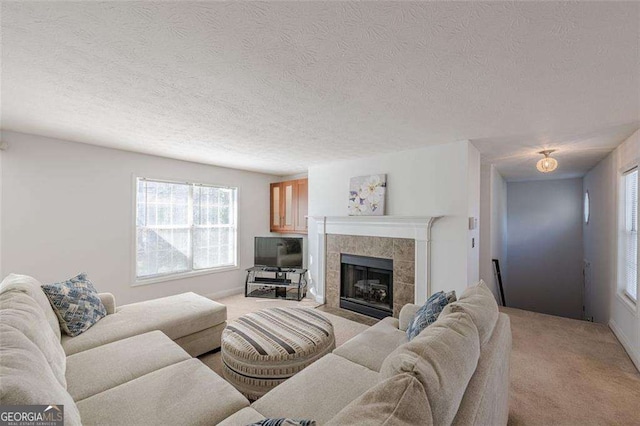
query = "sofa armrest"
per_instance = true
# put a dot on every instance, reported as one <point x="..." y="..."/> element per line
<point x="407" y="313"/>
<point x="109" y="302"/>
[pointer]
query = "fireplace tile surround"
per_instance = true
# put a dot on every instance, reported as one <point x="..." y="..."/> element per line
<point x="414" y="245"/>
<point x="400" y="250"/>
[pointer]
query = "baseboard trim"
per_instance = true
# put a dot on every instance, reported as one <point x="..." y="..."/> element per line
<point x="625" y="343"/>
<point x="225" y="293"/>
<point x="316" y="297"/>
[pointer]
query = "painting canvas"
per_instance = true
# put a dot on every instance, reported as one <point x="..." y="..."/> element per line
<point x="366" y="195"/>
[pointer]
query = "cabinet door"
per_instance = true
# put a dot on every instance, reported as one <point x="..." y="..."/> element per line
<point x="289" y="206"/>
<point x="276" y="208"/>
<point x="302" y="186"/>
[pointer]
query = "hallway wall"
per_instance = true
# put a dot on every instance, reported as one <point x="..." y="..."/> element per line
<point x="544" y="244"/>
<point x="493" y="226"/>
<point x="604" y="300"/>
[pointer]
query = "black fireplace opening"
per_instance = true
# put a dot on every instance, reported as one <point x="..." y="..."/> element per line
<point x="366" y="285"/>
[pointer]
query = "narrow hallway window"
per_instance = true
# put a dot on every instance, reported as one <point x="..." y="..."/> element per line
<point x="629" y="246"/>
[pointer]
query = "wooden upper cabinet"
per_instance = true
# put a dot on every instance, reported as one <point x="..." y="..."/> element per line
<point x="289" y="206"/>
<point x="276" y="217"/>
<point x="302" y="210"/>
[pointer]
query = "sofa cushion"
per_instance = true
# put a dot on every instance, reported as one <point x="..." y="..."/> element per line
<point x="443" y="358"/>
<point x="109" y="302"/>
<point x="32" y="287"/>
<point x="76" y="303"/>
<point x="243" y="417"/>
<point x="372" y="346"/>
<point x="398" y="400"/>
<point x="427" y="314"/>
<point x="477" y="301"/>
<point x="187" y="393"/>
<point x="22" y="312"/>
<point x="203" y="341"/>
<point x="486" y="400"/>
<point x="407" y="314"/>
<point x="176" y="316"/>
<point x="27" y="379"/>
<point x="319" y="391"/>
<point x="116" y="363"/>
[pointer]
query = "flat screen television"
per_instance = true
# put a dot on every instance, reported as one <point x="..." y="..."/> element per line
<point x="277" y="252"/>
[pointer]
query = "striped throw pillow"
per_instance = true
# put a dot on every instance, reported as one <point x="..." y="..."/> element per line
<point x="284" y="422"/>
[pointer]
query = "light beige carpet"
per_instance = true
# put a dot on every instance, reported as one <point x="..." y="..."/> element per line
<point x="563" y="371"/>
<point x="238" y="305"/>
<point x="569" y="372"/>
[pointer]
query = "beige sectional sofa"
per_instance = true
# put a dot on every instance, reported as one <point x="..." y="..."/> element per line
<point x="465" y="386"/>
<point x="192" y="321"/>
<point x="455" y="372"/>
<point x="134" y="366"/>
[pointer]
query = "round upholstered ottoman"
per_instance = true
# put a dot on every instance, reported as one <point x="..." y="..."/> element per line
<point x="262" y="349"/>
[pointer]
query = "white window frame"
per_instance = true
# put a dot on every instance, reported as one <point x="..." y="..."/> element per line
<point x="171" y="276"/>
<point x="628" y="299"/>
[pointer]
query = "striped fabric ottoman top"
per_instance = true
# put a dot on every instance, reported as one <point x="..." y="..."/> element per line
<point x="262" y="349"/>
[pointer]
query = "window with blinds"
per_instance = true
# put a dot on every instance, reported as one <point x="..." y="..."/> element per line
<point x="629" y="246"/>
<point x="184" y="227"/>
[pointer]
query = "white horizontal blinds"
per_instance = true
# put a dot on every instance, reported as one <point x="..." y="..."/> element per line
<point x="163" y="228"/>
<point x="630" y="258"/>
<point x="182" y="227"/>
<point x="214" y="227"/>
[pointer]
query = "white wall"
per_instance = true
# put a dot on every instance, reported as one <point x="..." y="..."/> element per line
<point x="600" y="240"/>
<point x="473" y="204"/>
<point x="1" y="209"/>
<point x="293" y="177"/>
<point x="431" y="181"/>
<point x="604" y="299"/>
<point x="493" y="226"/>
<point x="68" y="208"/>
<point x="544" y="220"/>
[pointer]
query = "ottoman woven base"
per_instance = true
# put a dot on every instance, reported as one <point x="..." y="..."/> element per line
<point x="262" y="349"/>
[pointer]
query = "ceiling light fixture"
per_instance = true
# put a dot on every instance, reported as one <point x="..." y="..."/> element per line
<point x="547" y="164"/>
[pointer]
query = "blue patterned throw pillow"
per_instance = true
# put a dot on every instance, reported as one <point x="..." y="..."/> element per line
<point x="76" y="304"/>
<point x="427" y="314"/>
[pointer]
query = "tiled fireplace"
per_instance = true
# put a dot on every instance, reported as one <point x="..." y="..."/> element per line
<point x="370" y="275"/>
<point x="366" y="285"/>
<point x="404" y="240"/>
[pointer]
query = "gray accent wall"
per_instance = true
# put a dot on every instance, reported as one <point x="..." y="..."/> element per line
<point x="544" y="223"/>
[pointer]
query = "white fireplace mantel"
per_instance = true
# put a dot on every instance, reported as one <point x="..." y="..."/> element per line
<point x="417" y="228"/>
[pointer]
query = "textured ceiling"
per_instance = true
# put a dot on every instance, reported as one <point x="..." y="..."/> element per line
<point x="516" y="157"/>
<point x="280" y="86"/>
